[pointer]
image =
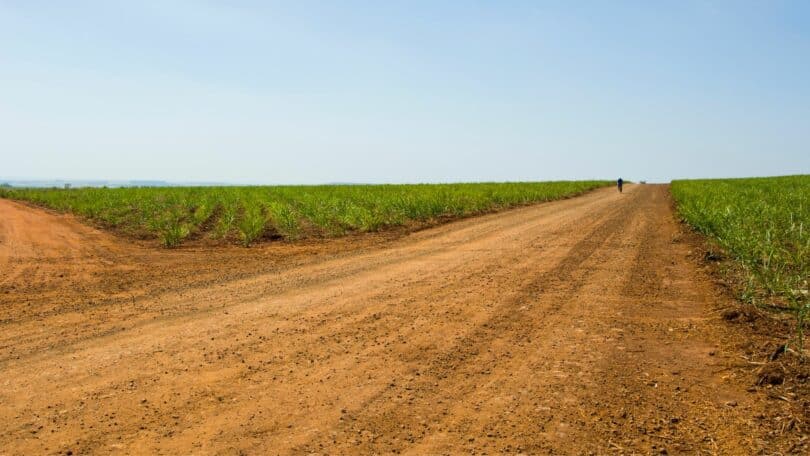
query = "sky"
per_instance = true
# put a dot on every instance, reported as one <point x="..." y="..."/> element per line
<point x="308" y="92"/>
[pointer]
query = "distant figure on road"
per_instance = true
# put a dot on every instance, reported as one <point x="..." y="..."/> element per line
<point x="619" y="184"/>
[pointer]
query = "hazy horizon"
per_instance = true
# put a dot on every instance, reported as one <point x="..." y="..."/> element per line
<point x="403" y="92"/>
<point x="32" y="183"/>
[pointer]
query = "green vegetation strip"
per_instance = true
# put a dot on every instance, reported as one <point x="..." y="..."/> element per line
<point x="764" y="223"/>
<point x="247" y="214"/>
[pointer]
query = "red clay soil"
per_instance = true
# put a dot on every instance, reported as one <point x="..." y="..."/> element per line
<point x="574" y="327"/>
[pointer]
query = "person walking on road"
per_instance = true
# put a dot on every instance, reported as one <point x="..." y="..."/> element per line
<point x="619" y="184"/>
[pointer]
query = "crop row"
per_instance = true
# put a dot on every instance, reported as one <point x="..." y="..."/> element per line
<point x="764" y="224"/>
<point x="248" y="214"/>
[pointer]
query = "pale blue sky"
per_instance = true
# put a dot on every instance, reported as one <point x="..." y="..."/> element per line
<point x="417" y="91"/>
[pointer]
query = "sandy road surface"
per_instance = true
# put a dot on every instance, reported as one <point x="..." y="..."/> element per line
<point x="563" y="328"/>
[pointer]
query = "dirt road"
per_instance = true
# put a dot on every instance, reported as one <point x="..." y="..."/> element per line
<point x="562" y="328"/>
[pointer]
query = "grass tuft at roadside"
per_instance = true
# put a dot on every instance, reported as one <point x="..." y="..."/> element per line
<point x="763" y="224"/>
